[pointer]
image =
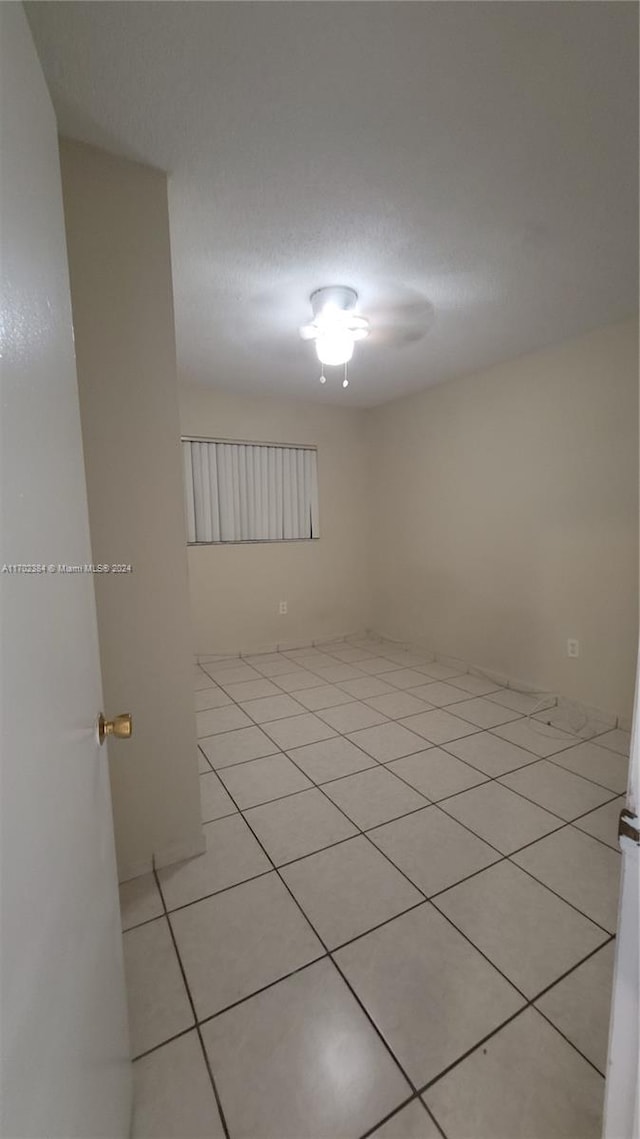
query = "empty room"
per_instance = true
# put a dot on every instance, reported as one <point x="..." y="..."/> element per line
<point x="320" y="532"/>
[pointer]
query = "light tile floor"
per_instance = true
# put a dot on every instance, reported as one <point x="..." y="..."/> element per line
<point x="402" y="926"/>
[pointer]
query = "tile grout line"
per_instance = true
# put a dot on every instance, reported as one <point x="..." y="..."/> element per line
<point x="318" y="787"/>
<point x="216" y="893"/>
<point x="497" y="779"/>
<point x="444" y="707"/>
<point x="503" y="857"/>
<point x="472" y="696"/>
<point x="419" y="663"/>
<point x="218" y="818"/>
<point x="428" y="898"/>
<point x="509" y="857"/>
<point x="490" y="845"/>
<point x="432" y="802"/>
<point x="169" y="1040"/>
<point x="563" y="823"/>
<point x="445" y="1072"/>
<point x="564" y="1035"/>
<point x="484" y="777"/>
<point x="193" y="1008"/>
<point x="551" y="759"/>
<point x="329" y="954"/>
<point x="535" y="759"/>
<point x="262" y="725"/>
<point x="370" y="1134"/>
<point x="335" y="733"/>
<point x="530" y="1004"/>
<point x="238" y="762"/>
<point x="473" y="670"/>
<point x="264" y="988"/>
<point x="415" y="1098"/>
<point x="552" y="891"/>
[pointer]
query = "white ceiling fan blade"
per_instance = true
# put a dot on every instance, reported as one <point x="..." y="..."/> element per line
<point x="397" y="324"/>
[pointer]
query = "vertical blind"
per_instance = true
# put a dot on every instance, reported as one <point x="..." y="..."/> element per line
<point x="249" y="492"/>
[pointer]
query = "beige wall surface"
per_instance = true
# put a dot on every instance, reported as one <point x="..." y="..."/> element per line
<point x="236" y="589"/>
<point x="119" y="259"/>
<point x="505" y="517"/>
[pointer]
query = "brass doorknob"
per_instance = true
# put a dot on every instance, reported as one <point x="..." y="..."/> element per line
<point x="121" y="727"/>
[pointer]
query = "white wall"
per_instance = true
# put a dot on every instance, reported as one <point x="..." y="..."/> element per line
<point x="506" y="517"/>
<point x="119" y="259"/>
<point x="236" y="589"/>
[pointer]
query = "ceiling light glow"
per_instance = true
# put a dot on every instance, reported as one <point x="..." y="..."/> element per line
<point x="336" y="325"/>
<point x="334" y="346"/>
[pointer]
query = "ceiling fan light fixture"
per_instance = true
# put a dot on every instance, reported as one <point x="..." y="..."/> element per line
<point x="336" y="326"/>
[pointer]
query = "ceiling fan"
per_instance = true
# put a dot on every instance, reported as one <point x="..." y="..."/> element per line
<point x="337" y="326"/>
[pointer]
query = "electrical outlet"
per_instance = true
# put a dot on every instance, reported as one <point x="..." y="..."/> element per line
<point x="283" y="609"/>
<point x="573" y="648"/>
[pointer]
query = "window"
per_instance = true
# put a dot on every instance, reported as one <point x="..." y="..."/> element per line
<point x="249" y="492"/>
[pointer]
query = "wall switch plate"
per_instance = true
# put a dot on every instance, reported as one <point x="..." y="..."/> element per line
<point x="283" y="609"/>
<point x="573" y="648"/>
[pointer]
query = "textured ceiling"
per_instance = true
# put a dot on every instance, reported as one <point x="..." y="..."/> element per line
<point x="477" y="161"/>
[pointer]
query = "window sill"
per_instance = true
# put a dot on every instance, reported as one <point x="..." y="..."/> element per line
<point x="254" y="542"/>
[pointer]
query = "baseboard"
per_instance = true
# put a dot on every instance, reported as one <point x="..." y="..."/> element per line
<point x="602" y="719"/>
<point x="285" y="646"/>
